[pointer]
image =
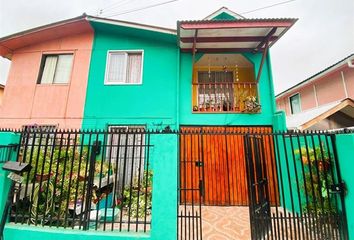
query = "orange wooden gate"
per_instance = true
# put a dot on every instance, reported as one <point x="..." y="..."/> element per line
<point x="217" y="155"/>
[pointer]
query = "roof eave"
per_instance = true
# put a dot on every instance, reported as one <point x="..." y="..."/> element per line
<point x="344" y="103"/>
<point x="133" y="25"/>
<point x="43" y="27"/>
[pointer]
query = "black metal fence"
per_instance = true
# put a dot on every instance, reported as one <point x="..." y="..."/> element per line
<point x="310" y="192"/>
<point x="89" y="180"/>
<point x="102" y="180"/>
<point x="292" y="182"/>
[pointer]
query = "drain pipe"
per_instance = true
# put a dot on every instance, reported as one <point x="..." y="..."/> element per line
<point x="177" y="87"/>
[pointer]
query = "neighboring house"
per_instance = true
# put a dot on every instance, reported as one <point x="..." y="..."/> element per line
<point x="323" y="101"/>
<point x="47" y="80"/>
<point x="2" y="88"/>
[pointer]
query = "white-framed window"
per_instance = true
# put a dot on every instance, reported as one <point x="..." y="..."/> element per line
<point x="126" y="151"/>
<point x="38" y="134"/>
<point x="295" y="105"/>
<point x="124" y="67"/>
<point x="55" y="68"/>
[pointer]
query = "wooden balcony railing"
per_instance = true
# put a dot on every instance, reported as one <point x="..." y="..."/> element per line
<point x="223" y="97"/>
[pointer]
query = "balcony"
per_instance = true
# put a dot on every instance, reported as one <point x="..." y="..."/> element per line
<point x="216" y="97"/>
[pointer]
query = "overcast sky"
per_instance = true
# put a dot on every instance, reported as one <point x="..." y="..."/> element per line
<point x="323" y="34"/>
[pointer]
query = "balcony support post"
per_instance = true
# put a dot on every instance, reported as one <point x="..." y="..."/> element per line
<point x="265" y="42"/>
<point x="262" y="61"/>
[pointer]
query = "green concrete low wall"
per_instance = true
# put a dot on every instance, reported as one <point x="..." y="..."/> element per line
<point x="17" y="231"/>
<point x="345" y="148"/>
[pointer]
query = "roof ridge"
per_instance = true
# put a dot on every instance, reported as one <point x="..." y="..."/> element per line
<point x="221" y="10"/>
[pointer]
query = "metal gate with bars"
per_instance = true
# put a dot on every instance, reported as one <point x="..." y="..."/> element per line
<point x="292" y="181"/>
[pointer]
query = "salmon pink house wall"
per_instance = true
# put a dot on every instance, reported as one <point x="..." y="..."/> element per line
<point x="332" y="84"/>
<point x="27" y="102"/>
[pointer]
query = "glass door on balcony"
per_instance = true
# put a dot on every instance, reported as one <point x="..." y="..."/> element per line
<point x="216" y="90"/>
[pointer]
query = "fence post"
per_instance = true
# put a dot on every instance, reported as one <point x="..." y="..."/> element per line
<point x="342" y="149"/>
<point x="164" y="198"/>
<point x="95" y="150"/>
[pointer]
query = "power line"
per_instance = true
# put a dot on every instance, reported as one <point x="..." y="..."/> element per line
<point x="98" y="9"/>
<point x="113" y="6"/>
<point x="142" y="8"/>
<point x="269" y="6"/>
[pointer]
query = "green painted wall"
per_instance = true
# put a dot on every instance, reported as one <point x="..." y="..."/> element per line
<point x="345" y="149"/>
<point x="164" y="199"/>
<point x="5" y="139"/>
<point x="154" y="102"/>
<point x="265" y="117"/>
<point x="18" y="231"/>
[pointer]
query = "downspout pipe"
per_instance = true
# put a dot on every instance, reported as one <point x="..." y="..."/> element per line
<point x="177" y="86"/>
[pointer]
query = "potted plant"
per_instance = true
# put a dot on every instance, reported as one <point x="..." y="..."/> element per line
<point x="317" y="177"/>
<point x="137" y="205"/>
<point x="252" y="105"/>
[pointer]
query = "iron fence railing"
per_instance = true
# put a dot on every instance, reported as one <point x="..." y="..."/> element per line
<point x="85" y="180"/>
<point x="307" y="183"/>
<point x="224" y="96"/>
<point x="102" y="180"/>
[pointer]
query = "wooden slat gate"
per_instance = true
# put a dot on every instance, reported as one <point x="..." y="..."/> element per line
<point x="212" y="172"/>
<point x="223" y="154"/>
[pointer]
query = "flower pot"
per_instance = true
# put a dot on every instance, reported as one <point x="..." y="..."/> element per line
<point x="44" y="177"/>
<point x="323" y="165"/>
<point x="82" y="178"/>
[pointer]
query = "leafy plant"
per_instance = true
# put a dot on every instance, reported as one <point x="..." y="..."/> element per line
<point x="139" y="197"/>
<point x="317" y="180"/>
<point x="59" y="176"/>
<point x="251" y="104"/>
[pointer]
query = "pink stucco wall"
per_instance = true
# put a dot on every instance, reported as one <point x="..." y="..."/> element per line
<point x="349" y="81"/>
<point x="26" y="102"/>
<point x="329" y="88"/>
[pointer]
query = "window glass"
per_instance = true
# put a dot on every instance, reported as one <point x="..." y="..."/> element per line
<point x="116" y="68"/>
<point x="295" y="104"/>
<point x="63" y="70"/>
<point x="134" y="68"/>
<point x="49" y="69"/>
<point x="124" y="68"/>
<point x="56" y="69"/>
<point x="126" y="151"/>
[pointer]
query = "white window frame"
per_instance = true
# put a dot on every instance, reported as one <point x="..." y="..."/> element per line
<point x="126" y="52"/>
<point x="290" y="107"/>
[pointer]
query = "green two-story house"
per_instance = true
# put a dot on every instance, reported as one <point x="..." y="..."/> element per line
<point x="96" y="73"/>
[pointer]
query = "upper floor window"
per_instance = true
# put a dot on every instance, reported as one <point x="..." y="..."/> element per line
<point x="55" y="69"/>
<point x="124" y="67"/>
<point x="295" y="103"/>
